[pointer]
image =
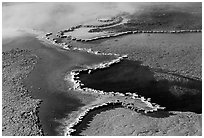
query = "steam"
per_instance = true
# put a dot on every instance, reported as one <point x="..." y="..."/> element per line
<point x="55" y="16"/>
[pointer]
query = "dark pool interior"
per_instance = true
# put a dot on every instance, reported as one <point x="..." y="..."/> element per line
<point x="131" y="76"/>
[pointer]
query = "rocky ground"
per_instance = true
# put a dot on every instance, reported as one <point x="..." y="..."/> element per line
<point x="124" y="122"/>
<point x="178" y="53"/>
<point x="19" y="109"/>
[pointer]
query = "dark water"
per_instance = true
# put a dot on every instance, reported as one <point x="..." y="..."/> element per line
<point x="46" y="81"/>
<point x="130" y="76"/>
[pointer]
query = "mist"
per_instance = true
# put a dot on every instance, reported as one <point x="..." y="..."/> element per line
<point x="57" y="16"/>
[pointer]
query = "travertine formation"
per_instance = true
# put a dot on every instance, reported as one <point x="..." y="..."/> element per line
<point x="70" y="128"/>
<point x="113" y="21"/>
<point x="127" y="100"/>
<point x="121" y="34"/>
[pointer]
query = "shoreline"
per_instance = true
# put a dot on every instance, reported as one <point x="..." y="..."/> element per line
<point x="102" y="69"/>
<point x="77" y="84"/>
<point x="61" y="34"/>
<point x="151" y="107"/>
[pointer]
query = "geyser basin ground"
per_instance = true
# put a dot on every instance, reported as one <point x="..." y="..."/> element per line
<point x="179" y="94"/>
<point x="179" y="53"/>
